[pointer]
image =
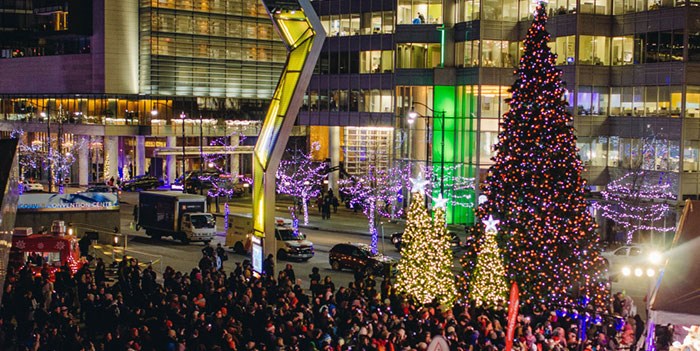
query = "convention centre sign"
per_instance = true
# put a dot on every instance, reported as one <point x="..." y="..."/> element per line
<point x="68" y="202"/>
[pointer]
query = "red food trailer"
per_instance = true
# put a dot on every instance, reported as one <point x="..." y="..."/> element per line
<point x="54" y="249"/>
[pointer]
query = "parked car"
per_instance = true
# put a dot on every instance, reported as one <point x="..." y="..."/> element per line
<point x="454" y="240"/>
<point x="141" y="183"/>
<point x="32" y="187"/>
<point x="358" y="257"/>
<point x="102" y="189"/>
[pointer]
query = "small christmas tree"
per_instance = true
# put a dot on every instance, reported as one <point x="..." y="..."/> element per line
<point x="488" y="282"/>
<point x="425" y="268"/>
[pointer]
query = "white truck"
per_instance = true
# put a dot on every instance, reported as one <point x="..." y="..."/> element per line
<point x="184" y="217"/>
<point x="290" y="244"/>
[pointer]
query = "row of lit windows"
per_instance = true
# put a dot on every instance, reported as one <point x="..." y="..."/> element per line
<point x="378" y="22"/>
<point x="418" y="55"/>
<point x="655" y="154"/>
<point x="518" y="10"/>
<point x="172" y="75"/>
<point x="229" y="7"/>
<point x="218" y="49"/>
<point x="344" y="62"/>
<point x="359" y="100"/>
<point x="636" y="101"/>
<point x="593" y="50"/>
<point x="200" y="24"/>
<point x="123" y="110"/>
<point x="625" y="50"/>
<point x="419" y="11"/>
<point x="431" y="11"/>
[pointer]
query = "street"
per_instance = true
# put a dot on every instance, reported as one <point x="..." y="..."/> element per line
<point x="185" y="257"/>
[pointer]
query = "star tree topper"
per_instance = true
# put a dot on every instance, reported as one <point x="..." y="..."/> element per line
<point x="440" y="202"/>
<point x="418" y="184"/>
<point x="491" y="223"/>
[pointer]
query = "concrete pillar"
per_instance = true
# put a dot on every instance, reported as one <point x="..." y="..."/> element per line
<point x="235" y="159"/>
<point x="84" y="161"/>
<point x="170" y="163"/>
<point x="111" y="147"/>
<point x="334" y="153"/>
<point x="140" y="155"/>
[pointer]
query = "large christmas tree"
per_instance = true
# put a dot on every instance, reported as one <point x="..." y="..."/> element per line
<point x="425" y="267"/>
<point x="535" y="187"/>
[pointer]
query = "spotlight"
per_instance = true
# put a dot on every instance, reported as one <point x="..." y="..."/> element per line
<point x="650" y="272"/>
<point x="638" y="272"/>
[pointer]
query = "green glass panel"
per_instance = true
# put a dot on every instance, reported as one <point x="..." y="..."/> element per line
<point x="454" y="149"/>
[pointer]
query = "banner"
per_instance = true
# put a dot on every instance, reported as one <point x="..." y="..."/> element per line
<point x="513" y="306"/>
<point x="68" y="202"/>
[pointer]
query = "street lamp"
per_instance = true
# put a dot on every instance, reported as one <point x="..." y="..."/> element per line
<point x="411" y="118"/>
<point x="184" y="178"/>
<point x="48" y="144"/>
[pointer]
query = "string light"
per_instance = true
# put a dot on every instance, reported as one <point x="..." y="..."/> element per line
<point x="301" y="177"/>
<point x="223" y="183"/>
<point x="33" y="156"/>
<point x="489" y="286"/>
<point x="635" y="202"/>
<point x="377" y="186"/>
<point x="535" y="187"/>
<point x="425" y="267"/>
<point x="455" y="187"/>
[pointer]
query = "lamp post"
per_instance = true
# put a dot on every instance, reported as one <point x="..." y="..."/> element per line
<point x="48" y="144"/>
<point x="411" y="118"/>
<point x="184" y="178"/>
<point x="201" y="156"/>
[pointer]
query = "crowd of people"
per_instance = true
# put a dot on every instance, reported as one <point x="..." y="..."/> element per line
<point x="210" y="308"/>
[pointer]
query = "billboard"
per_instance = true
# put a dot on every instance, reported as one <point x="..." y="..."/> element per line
<point x="68" y="202"/>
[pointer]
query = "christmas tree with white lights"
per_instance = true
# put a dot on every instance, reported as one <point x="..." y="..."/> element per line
<point x="536" y="190"/>
<point x="425" y="267"/>
<point x="488" y="285"/>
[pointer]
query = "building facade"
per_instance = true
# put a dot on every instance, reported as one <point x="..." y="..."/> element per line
<point x="632" y="70"/>
<point x="116" y="81"/>
<point x="116" y="76"/>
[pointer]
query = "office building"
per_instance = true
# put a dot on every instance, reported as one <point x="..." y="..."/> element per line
<point x="116" y="76"/>
<point x="632" y="70"/>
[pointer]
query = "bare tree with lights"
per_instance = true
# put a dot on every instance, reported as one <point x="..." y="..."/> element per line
<point x="224" y="184"/>
<point x="640" y="196"/>
<point x="301" y="177"/>
<point x="378" y="193"/>
<point x="33" y="156"/>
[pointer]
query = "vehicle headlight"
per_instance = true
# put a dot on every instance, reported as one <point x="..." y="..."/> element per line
<point x="626" y="271"/>
<point x="655" y="258"/>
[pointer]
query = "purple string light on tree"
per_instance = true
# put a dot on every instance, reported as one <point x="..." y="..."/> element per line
<point x="376" y="186"/>
<point x="301" y="177"/>
<point x="224" y="184"/>
<point x="227" y="211"/>
<point x="633" y="201"/>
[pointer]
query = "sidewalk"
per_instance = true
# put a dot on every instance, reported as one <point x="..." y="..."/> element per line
<point x="344" y="221"/>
